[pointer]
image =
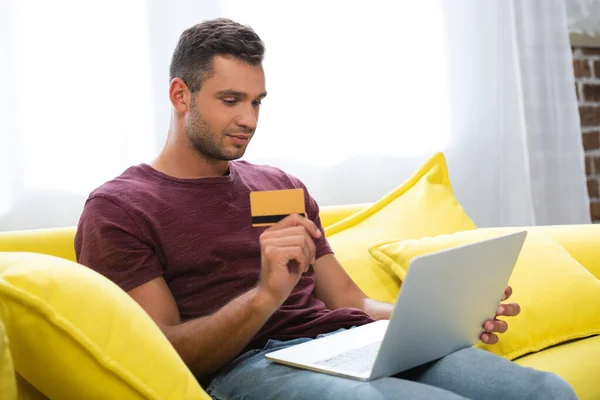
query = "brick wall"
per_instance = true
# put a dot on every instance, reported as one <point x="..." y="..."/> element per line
<point x="586" y="63"/>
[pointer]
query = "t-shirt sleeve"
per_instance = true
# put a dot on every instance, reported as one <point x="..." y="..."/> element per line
<point x="109" y="241"/>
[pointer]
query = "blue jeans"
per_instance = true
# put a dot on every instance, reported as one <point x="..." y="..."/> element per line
<point x="470" y="373"/>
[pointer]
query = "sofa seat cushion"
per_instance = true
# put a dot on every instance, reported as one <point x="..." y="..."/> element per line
<point x="576" y="362"/>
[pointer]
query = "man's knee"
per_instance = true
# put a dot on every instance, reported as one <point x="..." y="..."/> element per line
<point x="547" y="385"/>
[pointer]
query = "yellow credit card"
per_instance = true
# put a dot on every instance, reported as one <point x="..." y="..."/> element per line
<point x="268" y="207"/>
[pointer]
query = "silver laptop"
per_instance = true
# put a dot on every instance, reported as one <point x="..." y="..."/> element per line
<point x="445" y="298"/>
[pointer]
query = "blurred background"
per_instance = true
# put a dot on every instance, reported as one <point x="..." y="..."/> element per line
<point x="360" y="95"/>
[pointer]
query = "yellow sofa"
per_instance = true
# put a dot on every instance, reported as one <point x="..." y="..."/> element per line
<point x="577" y="361"/>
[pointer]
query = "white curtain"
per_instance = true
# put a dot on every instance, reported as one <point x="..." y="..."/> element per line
<point x="360" y="94"/>
<point x="516" y="154"/>
<point x="76" y="104"/>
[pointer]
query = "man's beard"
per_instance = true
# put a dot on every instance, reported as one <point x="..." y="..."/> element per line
<point x="206" y="141"/>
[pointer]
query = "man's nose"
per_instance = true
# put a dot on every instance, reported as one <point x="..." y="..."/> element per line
<point x="248" y="118"/>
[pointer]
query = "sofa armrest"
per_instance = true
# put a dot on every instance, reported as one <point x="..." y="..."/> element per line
<point x="332" y="214"/>
<point x="52" y="241"/>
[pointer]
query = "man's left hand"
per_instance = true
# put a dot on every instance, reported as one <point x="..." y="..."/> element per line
<point x="495" y="325"/>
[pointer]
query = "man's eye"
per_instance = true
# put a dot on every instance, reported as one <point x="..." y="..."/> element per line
<point x="230" y="102"/>
<point x="256" y="103"/>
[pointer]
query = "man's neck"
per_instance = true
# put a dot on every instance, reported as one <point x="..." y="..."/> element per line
<point x="178" y="159"/>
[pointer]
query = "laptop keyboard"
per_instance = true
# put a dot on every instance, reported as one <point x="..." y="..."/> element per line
<point x="356" y="360"/>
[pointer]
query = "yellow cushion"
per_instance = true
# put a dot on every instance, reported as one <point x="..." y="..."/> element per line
<point x="581" y="241"/>
<point x="559" y="298"/>
<point x="74" y="334"/>
<point x="26" y="391"/>
<point x="576" y="362"/>
<point x="422" y="206"/>
<point x="335" y="213"/>
<point x="8" y="388"/>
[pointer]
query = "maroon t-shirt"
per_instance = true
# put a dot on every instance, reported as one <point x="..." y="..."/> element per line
<point x="197" y="234"/>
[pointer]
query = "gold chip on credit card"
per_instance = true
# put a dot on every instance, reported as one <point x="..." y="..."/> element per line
<point x="268" y="207"/>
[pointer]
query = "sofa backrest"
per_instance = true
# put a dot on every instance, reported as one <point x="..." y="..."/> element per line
<point x="59" y="241"/>
<point x="52" y="241"/>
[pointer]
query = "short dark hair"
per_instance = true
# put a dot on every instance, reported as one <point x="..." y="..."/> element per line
<point x="193" y="55"/>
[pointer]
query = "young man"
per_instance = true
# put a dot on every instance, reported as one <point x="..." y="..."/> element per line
<point x="176" y="235"/>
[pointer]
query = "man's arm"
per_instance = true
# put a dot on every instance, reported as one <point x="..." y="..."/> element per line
<point x="232" y="327"/>
<point x="110" y="241"/>
<point x="337" y="290"/>
<point x="207" y="343"/>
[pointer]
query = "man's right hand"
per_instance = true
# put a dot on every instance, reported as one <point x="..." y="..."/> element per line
<point x="287" y="251"/>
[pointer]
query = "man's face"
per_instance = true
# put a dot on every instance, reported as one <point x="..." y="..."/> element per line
<point x="224" y="112"/>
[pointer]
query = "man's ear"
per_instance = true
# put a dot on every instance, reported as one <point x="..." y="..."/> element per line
<point x="180" y="95"/>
